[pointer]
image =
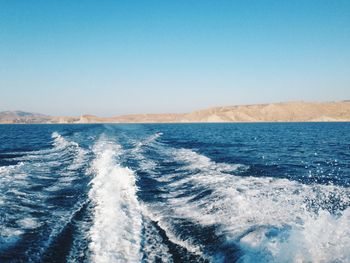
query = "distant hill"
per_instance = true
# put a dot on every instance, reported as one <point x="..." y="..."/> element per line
<point x="275" y="112"/>
<point x="22" y="117"/>
<point x="17" y="114"/>
<point x="272" y="112"/>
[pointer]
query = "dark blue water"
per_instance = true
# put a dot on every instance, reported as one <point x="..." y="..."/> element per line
<point x="175" y="193"/>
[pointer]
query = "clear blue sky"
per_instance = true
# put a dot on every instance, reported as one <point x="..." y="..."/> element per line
<point x="69" y="57"/>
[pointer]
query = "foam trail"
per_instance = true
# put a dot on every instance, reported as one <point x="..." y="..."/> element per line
<point x="149" y="139"/>
<point x="160" y="215"/>
<point x="322" y="238"/>
<point x="195" y="161"/>
<point x="275" y="220"/>
<point x="60" y="142"/>
<point x="62" y="148"/>
<point x="153" y="245"/>
<point x="116" y="231"/>
<point x="138" y="151"/>
<point x="153" y="248"/>
<point x="29" y="191"/>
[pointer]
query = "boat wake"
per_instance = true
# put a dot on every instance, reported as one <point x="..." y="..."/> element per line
<point x="116" y="230"/>
<point x="33" y="193"/>
<point x="109" y="196"/>
<point x="275" y="220"/>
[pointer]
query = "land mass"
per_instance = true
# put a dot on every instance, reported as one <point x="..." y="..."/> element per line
<point x="272" y="112"/>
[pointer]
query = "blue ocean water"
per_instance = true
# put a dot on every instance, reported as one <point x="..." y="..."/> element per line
<point x="272" y="192"/>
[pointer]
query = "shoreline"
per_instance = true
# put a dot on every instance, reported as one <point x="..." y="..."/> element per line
<point x="243" y="122"/>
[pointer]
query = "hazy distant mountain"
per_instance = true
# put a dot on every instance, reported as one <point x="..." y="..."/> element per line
<point x="16" y="114"/>
<point x="272" y="112"/>
<point x="22" y="117"/>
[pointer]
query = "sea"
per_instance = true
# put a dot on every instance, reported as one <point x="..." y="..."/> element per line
<point x="249" y="192"/>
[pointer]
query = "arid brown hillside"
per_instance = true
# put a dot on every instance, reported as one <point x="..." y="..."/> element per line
<point x="273" y="112"/>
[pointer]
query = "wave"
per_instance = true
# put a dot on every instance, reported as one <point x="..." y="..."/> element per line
<point x="138" y="152"/>
<point x="275" y="220"/>
<point x="116" y="230"/>
<point x="153" y="247"/>
<point x="161" y="214"/>
<point x="61" y="143"/>
<point x="62" y="150"/>
<point x="147" y="141"/>
<point x="318" y="238"/>
<point x="188" y="208"/>
<point x="34" y="193"/>
<point x="195" y="161"/>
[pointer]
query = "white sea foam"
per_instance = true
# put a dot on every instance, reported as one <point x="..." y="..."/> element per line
<point x="116" y="231"/>
<point x="62" y="148"/>
<point x="198" y="161"/>
<point x="149" y="140"/>
<point x="5" y="170"/>
<point x="153" y="245"/>
<point x="79" y="159"/>
<point x="28" y="223"/>
<point x="9" y="236"/>
<point x="35" y="170"/>
<point x="11" y="178"/>
<point x="322" y="238"/>
<point x="145" y="164"/>
<point x="60" y="142"/>
<point x="160" y="214"/>
<point x="270" y="219"/>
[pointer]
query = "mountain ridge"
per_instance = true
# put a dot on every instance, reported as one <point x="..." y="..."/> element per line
<point x="297" y="111"/>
